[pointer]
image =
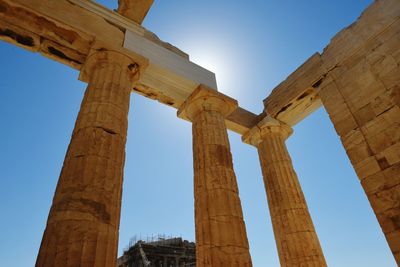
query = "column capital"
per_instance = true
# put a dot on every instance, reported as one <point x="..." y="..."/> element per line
<point x="101" y="56"/>
<point x="264" y="128"/>
<point x="206" y="99"/>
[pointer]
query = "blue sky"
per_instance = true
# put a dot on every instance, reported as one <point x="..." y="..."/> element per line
<point x="252" y="46"/>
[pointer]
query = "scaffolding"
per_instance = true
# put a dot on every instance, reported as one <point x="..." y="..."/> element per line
<point x="158" y="251"/>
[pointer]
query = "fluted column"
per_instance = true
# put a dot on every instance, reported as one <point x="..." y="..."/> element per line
<point x="295" y="235"/>
<point x="221" y="238"/>
<point x="82" y="227"/>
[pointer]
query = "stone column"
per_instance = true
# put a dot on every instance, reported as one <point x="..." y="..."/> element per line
<point x="295" y="235"/>
<point x="82" y="227"/>
<point x="221" y="238"/>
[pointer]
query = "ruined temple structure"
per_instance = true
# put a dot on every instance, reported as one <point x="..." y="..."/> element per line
<point x="356" y="78"/>
<point x="171" y="252"/>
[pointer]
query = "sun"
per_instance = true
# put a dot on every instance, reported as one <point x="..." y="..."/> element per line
<point x="217" y="57"/>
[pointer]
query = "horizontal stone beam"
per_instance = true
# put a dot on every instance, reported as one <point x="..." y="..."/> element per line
<point x="297" y="96"/>
<point x="135" y="10"/>
<point x="241" y="120"/>
<point x="65" y="31"/>
<point x="176" y="76"/>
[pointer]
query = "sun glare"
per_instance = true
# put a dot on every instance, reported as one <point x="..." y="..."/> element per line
<point x="216" y="57"/>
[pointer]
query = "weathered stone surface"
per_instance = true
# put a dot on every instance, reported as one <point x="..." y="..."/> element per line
<point x="82" y="228"/>
<point x="295" y="236"/>
<point x="361" y="97"/>
<point x="295" y="98"/>
<point x="135" y="10"/>
<point x="221" y="238"/>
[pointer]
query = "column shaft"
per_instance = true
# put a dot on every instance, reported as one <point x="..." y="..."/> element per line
<point x="296" y="239"/>
<point x="82" y="227"/>
<point x="220" y="230"/>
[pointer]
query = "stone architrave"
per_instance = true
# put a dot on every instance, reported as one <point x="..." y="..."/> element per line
<point x="221" y="238"/>
<point x="296" y="239"/>
<point x="83" y="224"/>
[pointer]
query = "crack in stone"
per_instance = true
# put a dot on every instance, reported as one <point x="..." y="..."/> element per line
<point x="106" y="130"/>
<point x="83" y="205"/>
<point x="60" y="54"/>
<point x="21" y="39"/>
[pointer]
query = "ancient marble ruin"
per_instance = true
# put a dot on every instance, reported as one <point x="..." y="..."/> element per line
<point x="356" y="78"/>
<point x="162" y="252"/>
